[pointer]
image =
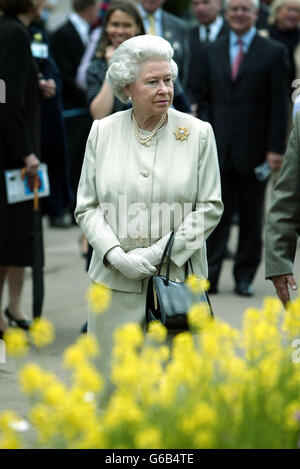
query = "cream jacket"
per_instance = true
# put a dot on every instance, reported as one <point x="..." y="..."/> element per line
<point x="133" y="196"/>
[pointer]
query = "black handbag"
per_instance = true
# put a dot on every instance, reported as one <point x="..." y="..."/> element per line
<point x="169" y="301"/>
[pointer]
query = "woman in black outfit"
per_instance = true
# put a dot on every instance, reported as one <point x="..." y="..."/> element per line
<point x="19" y="147"/>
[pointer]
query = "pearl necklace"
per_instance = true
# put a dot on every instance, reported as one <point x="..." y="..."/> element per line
<point x="146" y="140"/>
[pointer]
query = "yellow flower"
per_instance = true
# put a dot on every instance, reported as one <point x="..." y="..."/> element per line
<point x="157" y="331"/>
<point x="10" y="441"/>
<point x="89" y="345"/>
<point x="204" y="439"/>
<point x="99" y="298"/>
<point x="271" y="309"/>
<point x="199" y="317"/>
<point x="84" y="348"/>
<point x="196" y="284"/>
<point x="55" y="394"/>
<point x="87" y="378"/>
<point x="33" y="379"/>
<point x="7" y="418"/>
<point x="150" y="438"/>
<point x="16" y="342"/>
<point x="129" y="335"/>
<point x="291" y="413"/>
<point x="73" y="356"/>
<point x="93" y="438"/>
<point x="45" y="422"/>
<point x="10" y="422"/>
<point x="42" y="332"/>
<point x="122" y="409"/>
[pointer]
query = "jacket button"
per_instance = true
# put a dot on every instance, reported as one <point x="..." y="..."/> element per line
<point x="145" y="173"/>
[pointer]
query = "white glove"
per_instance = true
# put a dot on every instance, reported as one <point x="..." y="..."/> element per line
<point x="152" y="254"/>
<point x="131" y="265"/>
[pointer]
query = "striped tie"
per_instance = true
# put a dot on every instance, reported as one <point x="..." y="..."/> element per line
<point x="237" y="61"/>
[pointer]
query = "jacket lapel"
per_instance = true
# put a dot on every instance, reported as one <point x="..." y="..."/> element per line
<point x="250" y="58"/>
<point x="223" y="55"/>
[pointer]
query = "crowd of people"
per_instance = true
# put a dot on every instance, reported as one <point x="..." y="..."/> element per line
<point x="185" y="112"/>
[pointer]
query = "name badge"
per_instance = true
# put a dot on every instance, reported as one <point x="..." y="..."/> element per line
<point x="39" y="50"/>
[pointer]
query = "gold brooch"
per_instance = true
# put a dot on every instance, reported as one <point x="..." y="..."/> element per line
<point x="182" y="133"/>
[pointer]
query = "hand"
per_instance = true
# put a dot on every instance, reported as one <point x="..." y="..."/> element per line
<point x="281" y="283"/>
<point x="152" y="254"/>
<point x="48" y="88"/>
<point x="109" y="51"/>
<point x="275" y="160"/>
<point x="132" y="266"/>
<point x="32" y="164"/>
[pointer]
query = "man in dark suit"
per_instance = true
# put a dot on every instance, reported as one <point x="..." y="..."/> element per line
<point x="68" y="44"/>
<point x="211" y="27"/>
<point x="240" y="84"/>
<point x="160" y="22"/>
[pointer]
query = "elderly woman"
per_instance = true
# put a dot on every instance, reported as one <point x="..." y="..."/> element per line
<point x="146" y="171"/>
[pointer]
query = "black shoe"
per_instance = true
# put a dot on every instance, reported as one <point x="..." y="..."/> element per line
<point x="84" y="328"/>
<point x="12" y="321"/>
<point x="244" y="289"/>
<point x="213" y="290"/>
<point x="59" y="222"/>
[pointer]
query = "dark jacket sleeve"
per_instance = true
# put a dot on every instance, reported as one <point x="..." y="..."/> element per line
<point x="283" y="222"/>
<point x="15" y="64"/>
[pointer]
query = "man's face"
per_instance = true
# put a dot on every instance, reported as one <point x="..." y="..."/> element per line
<point x="92" y="13"/>
<point x="152" y="5"/>
<point x="241" y="16"/>
<point x="206" y="11"/>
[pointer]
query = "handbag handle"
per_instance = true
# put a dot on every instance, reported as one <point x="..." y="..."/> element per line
<point x="167" y="252"/>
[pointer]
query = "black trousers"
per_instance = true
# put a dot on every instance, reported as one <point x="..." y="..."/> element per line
<point x="78" y="129"/>
<point x="245" y="194"/>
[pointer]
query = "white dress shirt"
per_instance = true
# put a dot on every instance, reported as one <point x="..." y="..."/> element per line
<point x="214" y="29"/>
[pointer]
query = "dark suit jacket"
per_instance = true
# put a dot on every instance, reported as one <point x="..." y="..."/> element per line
<point x="249" y="115"/>
<point x="67" y="49"/>
<point x="176" y="32"/>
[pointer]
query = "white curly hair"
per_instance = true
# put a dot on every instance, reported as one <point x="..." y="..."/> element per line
<point x="129" y="57"/>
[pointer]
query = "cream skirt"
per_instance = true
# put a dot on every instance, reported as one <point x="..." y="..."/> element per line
<point x="125" y="307"/>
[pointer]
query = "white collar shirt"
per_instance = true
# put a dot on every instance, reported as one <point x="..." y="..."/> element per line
<point x="214" y="29"/>
<point x="157" y="18"/>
